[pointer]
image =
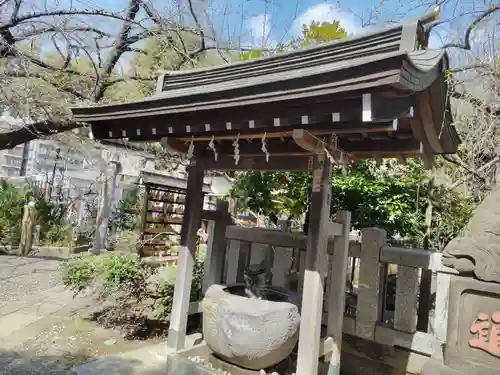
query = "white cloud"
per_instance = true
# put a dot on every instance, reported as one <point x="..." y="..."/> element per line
<point x="259" y="28"/>
<point x="326" y="13"/>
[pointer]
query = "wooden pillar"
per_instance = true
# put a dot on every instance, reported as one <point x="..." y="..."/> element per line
<point x="187" y="255"/>
<point x="337" y="276"/>
<point x="317" y="241"/>
<point x="216" y="246"/>
<point x="282" y="262"/>
<point x="233" y="260"/>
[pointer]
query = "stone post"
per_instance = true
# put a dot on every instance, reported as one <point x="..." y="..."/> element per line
<point x="105" y="202"/>
<point x="27" y="228"/>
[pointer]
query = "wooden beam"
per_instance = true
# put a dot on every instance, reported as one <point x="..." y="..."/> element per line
<point x="305" y="143"/>
<point x="338" y="128"/>
<point x="175" y="145"/>
<point x="401" y="159"/>
<point x="418" y="133"/>
<point x="389" y="146"/>
<point x="259" y="163"/>
<point x="278" y="238"/>
<point x="317" y="241"/>
<point x="387" y="108"/>
<point x="308" y="142"/>
<point x="427" y="120"/>
<point x="187" y="255"/>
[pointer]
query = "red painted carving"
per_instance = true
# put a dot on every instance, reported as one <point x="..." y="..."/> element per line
<point x="487" y="333"/>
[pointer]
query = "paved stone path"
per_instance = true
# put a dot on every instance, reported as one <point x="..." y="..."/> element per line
<point x="32" y="300"/>
<point x="43" y="330"/>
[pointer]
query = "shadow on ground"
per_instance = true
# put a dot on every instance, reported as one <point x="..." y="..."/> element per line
<point x="137" y="326"/>
<point x="34" y="255"/>
<point x="26" y="363"/>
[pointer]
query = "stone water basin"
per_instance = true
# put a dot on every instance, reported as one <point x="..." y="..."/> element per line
<point x="248" y="332"/>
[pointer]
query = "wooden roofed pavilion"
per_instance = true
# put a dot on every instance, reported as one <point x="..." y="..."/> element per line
<point x="382" y="94"/>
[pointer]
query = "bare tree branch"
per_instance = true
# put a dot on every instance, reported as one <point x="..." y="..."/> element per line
<point x="456" y="160"/>
<point x="466" y="45"/>
<point x="120" y="47"/>
<point x="480" y="104"/>
<point x="61" y="30"/>
<point x="69" y="90"/>
<point x="69" y="12"/>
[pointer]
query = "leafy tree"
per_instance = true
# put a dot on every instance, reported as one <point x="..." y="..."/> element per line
<point x="51" y="216"/>
<point x="392" y="196"/>
<point x="11" y="212"/>
<point x="317" y="33"/>
<point x="126" y="214"/>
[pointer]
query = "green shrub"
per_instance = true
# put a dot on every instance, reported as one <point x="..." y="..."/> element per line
<point x="115" y="271"/>
<point x="78" y="273"/>
<point x="165" y="292"/>
<point x="126" y="279"/>
<point x="50" y="216"/>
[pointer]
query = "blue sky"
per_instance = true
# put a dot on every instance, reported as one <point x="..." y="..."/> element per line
<point x="249" y="22"/>
<point x="278" y="19"/>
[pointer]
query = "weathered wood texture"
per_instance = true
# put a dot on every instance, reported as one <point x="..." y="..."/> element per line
<point x="233" y="261"/>
<point x="317" y="243"/>
<point x="216" y="245"/>
<point x="282" y="262"/>
<point x="187" y="255"/>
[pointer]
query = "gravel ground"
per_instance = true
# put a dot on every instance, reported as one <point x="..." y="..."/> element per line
<point x="22" y="278"/>
<point x="43" y="329"/>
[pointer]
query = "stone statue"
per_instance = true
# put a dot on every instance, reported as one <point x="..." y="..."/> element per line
<point x="477" y="251"/>
<point x="256" y="276"/>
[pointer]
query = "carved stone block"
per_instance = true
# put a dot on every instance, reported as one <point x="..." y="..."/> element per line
<point x="468" y="254"/>
<point x="250" y="333"/>
<point x="473" y="338"/>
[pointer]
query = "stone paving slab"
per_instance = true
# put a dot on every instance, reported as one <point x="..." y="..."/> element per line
<point x="151" y="360"/>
